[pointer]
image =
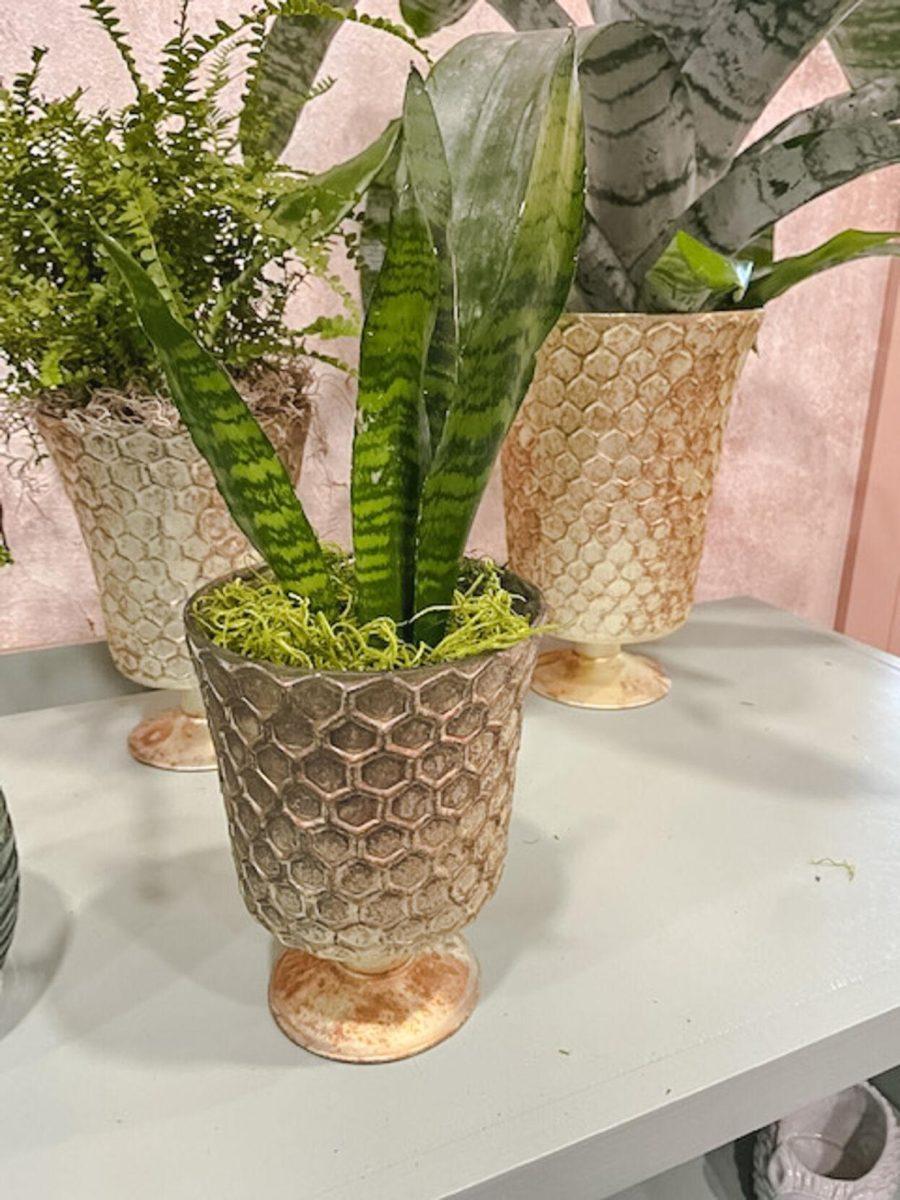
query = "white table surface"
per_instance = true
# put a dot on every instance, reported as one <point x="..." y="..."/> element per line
<point x="663" y="968"/>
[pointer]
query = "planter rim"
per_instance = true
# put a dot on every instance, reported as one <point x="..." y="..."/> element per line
<point x="197" y="638"/>
<point x="648" y="318"/>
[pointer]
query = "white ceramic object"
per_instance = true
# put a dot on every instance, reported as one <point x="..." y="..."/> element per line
<point x="845" y="1147"/>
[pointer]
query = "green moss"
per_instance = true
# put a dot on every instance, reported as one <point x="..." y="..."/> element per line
<point x="256" y="619"/>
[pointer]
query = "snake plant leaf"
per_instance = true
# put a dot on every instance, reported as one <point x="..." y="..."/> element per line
<point x="248" y="472"/>
<point x="745" y="54"/>
<point x="515" y="239"/>
<point x="641" y="159"/>
<point x="426" y="17"/>
<point x="690" y="277"/>
<point x="390" y="449"/>
<point x="764" y="186"/>
<point x="282" y="80"/>
<point x="316" y="208"/>
<point x="867" y="41"/>
<point x="375" y="222"/>
<point x="846" y="247"/>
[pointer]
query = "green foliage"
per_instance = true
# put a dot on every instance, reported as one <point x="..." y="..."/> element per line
<point x="256" y="619"/>
<point x="867" y="42"/>
<point x="162" y="176"/>
<point x="476" y="269"/>
<point x="249" y="474"/>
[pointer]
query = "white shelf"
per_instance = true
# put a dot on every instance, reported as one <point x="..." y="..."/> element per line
<point x="662" y="968"/>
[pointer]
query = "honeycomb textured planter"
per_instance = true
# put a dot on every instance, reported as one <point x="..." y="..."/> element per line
<point x="9" y="882"/>
<point x="845" y="1147"/>
<point x="156" y="529"/>
<point x="608" y="472"/>
<point x="368" y="815"/>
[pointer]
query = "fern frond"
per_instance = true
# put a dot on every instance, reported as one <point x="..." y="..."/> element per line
<point x="105" y="15"/>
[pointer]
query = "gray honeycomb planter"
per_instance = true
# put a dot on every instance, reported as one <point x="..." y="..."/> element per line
<point x="156" y="529"/>
<point x="368" y="815"/>
<point x="9" y="882"/>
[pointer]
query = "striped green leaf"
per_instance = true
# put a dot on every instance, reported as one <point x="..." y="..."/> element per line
<point x="517" y="215"/>
<point x="390" y="449"/>
<point x="315" y="209"/>
<point x="765" y="185"/>
<point x="867" y="42"/>
<point x="375" y="222"/>
<point x="532" y="14"/>
<point x="282" y="80"/>
<point x="248" y="472"/>
<point x="680" y="23"/>
<point x="846" y="247"/>
<point x="690" y="277"/>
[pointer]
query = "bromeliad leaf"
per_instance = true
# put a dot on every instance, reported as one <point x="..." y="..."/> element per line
<point x="316" y="208"/>
<point x="690" y="277"/>
<point x="426" y="17"/>
<point x="247" y="470"/>
<point x="532" y="14"/>
<point x="513" y="272"/>
<point x="764" y="186"/>
<point x="846" y="247"/>
<point x="390" y="448"/>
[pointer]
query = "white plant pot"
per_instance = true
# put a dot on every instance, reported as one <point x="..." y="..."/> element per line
<point x="845" y="1147"/>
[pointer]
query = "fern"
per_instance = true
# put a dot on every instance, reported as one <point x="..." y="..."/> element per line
<point x="160" y="175"/>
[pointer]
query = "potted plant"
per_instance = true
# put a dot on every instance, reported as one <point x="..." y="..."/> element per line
<point x="366" y="711"/>
<point x="162" y="174"/>
<point x="609" y="468"/>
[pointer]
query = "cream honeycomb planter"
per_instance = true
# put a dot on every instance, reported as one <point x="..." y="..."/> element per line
<point x="156" y="529"/>
<point x="368" y="815"/>
<point x="608" y="473"/>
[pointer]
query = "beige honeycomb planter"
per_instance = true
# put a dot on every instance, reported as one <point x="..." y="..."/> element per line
<point x="368" y="816"/>
<point x="156" y="529"/>
<point x="608" y="473"/>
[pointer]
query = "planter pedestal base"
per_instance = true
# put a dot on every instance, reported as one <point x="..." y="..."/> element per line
<point x="177" y="739"/>
<point x="361" y="1017"/>
<point x="603" y="677"/>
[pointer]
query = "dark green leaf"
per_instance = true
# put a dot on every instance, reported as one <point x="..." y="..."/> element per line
<point x="846" y="247"/>
<point x="532" y="14"/>
<point x="247" y="470"/>
<point x="391" y="443"/>
<point x="518" y="210"/>
<point x="425" y="17"/>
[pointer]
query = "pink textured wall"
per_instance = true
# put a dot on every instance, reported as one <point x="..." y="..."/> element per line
<point x="782" y="508"/>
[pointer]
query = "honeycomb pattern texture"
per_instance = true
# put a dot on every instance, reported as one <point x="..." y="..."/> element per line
<point x="368" y="812"/>
<point x="609" y="467"/>
<point x="155" y="526"/>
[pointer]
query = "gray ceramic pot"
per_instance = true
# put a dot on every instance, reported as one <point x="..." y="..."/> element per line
<point x="368" y="815"/>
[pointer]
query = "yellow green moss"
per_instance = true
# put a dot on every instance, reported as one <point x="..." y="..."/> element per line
<point x="256" y="619"/>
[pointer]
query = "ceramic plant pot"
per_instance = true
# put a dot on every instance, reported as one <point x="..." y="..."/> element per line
<point x="157" y="529"/>
<point x="608" y="472"/>
<point x="845" y="1147"/>
<point x="9" y="882"/>
<point x="368" y="815"/>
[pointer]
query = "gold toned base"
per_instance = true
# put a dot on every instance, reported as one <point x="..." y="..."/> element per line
<point x="356" y="1017"/>
<point x="175" y="740"/>
<point x="597" y="677"/>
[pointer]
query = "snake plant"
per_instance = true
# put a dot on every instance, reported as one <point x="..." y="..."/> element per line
<point x="475" y="271"/>
<point x="678" y="215"/>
